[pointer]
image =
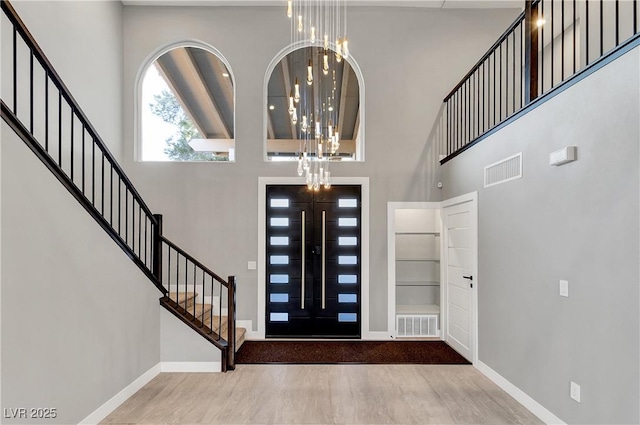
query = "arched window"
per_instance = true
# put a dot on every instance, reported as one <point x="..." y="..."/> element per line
<point x="186" y="107"/>
<point x="336" y="94"/>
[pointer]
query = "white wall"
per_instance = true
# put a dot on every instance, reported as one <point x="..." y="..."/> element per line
<point x="577" y="222"/>
<point x="79" y="321"/>
<point x="410" y="58"/>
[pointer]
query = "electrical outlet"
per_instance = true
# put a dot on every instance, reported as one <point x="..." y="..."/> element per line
<point x="575" y="391"/>
<point x="564" y="288"/>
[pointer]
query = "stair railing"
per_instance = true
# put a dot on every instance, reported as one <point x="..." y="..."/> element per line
<point x="39" y="107"/>
<point x="550" y="44"/>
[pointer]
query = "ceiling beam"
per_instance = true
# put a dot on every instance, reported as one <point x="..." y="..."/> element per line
<point x="174" y="90"/>
<point x="224" y="82"/>
<point x="201" y="92"/>
<point x="287" y="88"/>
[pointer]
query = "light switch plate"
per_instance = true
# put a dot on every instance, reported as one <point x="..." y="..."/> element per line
<point x="575" y="391"/>
<point x="251" y="265"/>
<point x="564" y="288"/>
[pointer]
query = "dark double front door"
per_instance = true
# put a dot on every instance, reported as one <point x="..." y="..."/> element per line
<point x="313" y="262"/>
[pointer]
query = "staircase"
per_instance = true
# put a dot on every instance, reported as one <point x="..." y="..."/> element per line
<point x="84" y="165"/>
<point x="184" y="304"/>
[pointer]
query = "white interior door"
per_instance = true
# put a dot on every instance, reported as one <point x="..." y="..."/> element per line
<point x="460" y="274"/>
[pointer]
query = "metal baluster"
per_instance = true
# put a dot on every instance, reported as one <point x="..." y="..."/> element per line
<point x="506" y="78"/>
<point x="93" y="171"/>
<point x="194" y="289"/>
<point x="635" y="16"/>
<point x="494" y="88"/>
<point x="102" y="185"/>
<point x="72" y="131"/>
<point x="15" y="70"/>
<point x="126" y="214"/>
<point x="83" y="156"/>
<point x="119" y="203"/>
<point x="139" y="231"/>
<point x="59" y="128"/>
<point x="617" y="22"/>
<point x="31" y="92"/>
<point x="552" y="58"/>
<point x="219" y="310"/>
<point x="500" y="90"/>
<point x="177" y="278"/>
<point x="514" y="69"/>
<point x="203" y="297"/>
<point x="111" y="196"/>
<point x="169" y="271"/>
<point x="562" y="42"/>
<point x="542" y="48"/>
<point x="601" y="27"/>
<point x="574" y="36"/>
<point x="46" y="111"/>
<point x="186" y="281"/>
<point x="586" y="29"/>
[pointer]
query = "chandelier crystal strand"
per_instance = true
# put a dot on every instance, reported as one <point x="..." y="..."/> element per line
<point x="318" y="35"/>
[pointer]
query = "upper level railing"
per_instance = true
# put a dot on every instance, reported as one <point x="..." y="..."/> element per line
<point x="548" y="44"/>
<point x="41" y="110"/>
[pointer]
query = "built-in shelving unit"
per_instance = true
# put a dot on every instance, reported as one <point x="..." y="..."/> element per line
<point x="414" y="268"/>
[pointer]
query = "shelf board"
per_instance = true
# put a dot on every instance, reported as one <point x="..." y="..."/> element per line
<point x="433" y="260"/>
<point x="417" y="283"/>
<point x="418" y="309"/>
<point x="418" y="233"/>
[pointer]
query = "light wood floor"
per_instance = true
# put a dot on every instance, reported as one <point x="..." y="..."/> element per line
<point x="324" y="394"/>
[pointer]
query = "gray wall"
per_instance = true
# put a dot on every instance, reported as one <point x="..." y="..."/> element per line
<point x="577" y="222"/>
<point x="79" y="320"/>
<point x="410" y="58"/>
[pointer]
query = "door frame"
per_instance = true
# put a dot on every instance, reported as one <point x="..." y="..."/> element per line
<point x="473" y="198"/>
<point x="263" y="182"/>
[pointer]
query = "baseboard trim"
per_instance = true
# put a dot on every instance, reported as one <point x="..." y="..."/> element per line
<point x="376" y="336"/>
<point x="192" y="367"/>
<point x="533" y="406"/>
<point x="114" y="402"/>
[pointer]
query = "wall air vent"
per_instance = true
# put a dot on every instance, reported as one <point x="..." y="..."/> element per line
<point x="417" y="325"/>
<point x="503" y="171"/>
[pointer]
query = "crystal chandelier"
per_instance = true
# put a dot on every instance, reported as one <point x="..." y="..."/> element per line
<point x="318" y="32"/>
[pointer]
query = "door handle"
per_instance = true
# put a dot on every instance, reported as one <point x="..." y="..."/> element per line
<point x="471" y="279"/>
<point x="324" y="232"/>
<point x="302" y="242"/>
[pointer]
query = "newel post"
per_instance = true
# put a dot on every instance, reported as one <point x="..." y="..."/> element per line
<point x="530" y="52"/>
<point x="157" y="248"/>
<point x="231" y="323"/>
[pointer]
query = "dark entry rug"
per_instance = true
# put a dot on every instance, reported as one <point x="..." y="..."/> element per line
<point x="363" y="352"/>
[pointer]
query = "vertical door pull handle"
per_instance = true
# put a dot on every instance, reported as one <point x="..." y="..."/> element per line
<point x="302" y="243"/>
<point x="324" y="233"/>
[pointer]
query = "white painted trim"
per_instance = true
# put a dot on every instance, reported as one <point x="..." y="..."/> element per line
<point x="468" y="197"/>
<point x="360" y="150"/>
<point x="262" y="288"/>
<point x="391" y="257"/>
<point x="523" y="398"/>
<point x="114" y="402"/>
<point x="137" y="91"/>
<point x="377" y="336"/>
<point x="191" y="367"/>
<point x="247" y="324"/>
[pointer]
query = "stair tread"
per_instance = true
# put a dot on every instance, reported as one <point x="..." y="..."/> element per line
<point x="181" y="297"/>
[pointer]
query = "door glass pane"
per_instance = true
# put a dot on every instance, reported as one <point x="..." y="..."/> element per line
<point x="347" y="240"/>
<point x="279" y="317"/>
<point x="279" y="298"/>
<point x="347" y="298"/>
<point x="347" y="203"/>
<point x="347" y="278"/>
<point x="347" y="317"/>
<point x="279" y="221"/>
<point x="279" y="240"/>
<point x="279" y="259"/>
<point x="279" y="278"/>
<point x="279" y="203"/>
<point x="347" y="222"/>
<point x="347" y="259"/>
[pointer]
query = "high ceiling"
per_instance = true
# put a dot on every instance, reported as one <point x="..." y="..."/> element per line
<point x="439" y="4"/>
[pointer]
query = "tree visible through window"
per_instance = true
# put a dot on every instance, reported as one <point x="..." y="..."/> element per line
<point x="166" y="107"/>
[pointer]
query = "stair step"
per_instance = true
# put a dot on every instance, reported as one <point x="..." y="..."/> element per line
<point x="184" y="297"/>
